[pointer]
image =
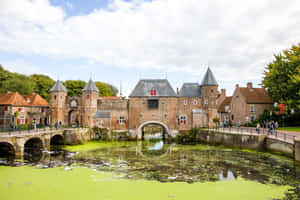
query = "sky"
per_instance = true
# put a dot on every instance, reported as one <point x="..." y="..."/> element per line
<point x="122" y="41"/>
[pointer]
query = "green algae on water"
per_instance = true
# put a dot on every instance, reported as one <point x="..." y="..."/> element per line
<point x="29" y="183"/>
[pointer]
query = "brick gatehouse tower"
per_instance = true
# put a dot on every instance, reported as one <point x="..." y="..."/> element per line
<point x="152" y="101"/>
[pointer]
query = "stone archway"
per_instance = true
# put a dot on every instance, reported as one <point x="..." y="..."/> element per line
<point x="140" y="129"/>
<point x="6" y="149"/>
<point x="57" y="139"/>
<point x="33" y="148"/>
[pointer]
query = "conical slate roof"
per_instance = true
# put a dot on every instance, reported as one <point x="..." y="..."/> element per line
<point x="209" y="78"/>
<point x="90" y="86"/>
<point x="58" y="87"/>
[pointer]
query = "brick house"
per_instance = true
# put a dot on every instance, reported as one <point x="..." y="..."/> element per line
<point x="30" y="108"/>
<point x="248" y="103"/>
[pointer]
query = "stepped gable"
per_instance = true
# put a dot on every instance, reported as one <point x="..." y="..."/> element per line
<point x="209" y="78"/>
<point x="190" y="90"/>
<point x="162" y="87"/>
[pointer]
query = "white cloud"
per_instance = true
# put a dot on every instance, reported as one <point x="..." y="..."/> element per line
<point x="238" y="38"/>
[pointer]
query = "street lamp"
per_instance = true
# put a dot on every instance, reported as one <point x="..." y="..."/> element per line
<point x="247" y="119"/>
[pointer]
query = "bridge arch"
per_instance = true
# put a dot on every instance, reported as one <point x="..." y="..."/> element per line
<point x="57" y="139"/>
<point x="6" y="149"/>
<point x="33" y="149"/>
<point x="164" y="126"/>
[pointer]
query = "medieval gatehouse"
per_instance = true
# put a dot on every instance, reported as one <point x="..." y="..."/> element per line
<point x="152" y="101"/>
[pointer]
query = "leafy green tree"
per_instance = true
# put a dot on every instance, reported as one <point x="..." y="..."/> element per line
<point x="42" y="84"/>
<point x="17" y="82"/>
<point x="74" y="87"/>
<point x="106" y="89"/>
<point x="282" y="78"/>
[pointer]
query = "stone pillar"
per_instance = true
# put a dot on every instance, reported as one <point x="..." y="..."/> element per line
<point x="297" y="149"/>
<point x="20" y="142"/>
<point x="46" y="142"/>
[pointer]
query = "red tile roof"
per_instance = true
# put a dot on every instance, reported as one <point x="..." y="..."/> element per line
<point x="36" y="100"/>
<point x="16" y="99"/>
<point x="256" y="95"/>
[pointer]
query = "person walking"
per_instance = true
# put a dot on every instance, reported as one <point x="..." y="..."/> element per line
<point x="56" y="125"/>
<point x="258" y="128"/>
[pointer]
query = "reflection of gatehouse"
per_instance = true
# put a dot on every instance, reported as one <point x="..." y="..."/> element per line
<point x="152" y="101"/>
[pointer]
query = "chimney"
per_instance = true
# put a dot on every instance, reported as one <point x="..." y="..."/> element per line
<point x="223" y="92"/>
<point x="237" y="86"/>
<point x="249" y="85"/>
<point x="177" y="90"/>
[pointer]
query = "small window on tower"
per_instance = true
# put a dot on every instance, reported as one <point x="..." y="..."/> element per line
<point x="54" y="97"/>
<point x="212" y="91"/>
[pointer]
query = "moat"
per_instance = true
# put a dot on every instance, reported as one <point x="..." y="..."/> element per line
<point x="149" y="170"/>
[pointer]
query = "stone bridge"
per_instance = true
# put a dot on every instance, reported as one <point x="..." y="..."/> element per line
<point x="15" y="143"/>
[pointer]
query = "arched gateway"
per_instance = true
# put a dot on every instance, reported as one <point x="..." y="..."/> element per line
<point x="141" y="127"/>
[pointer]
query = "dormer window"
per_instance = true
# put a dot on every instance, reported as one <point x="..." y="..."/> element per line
<point x="153" y="92"/>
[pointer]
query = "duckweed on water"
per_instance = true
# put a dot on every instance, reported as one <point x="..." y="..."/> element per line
<point x="146" y="170"/>
<point x="83" y="183"/>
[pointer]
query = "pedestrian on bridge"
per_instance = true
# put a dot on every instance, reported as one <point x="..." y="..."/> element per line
<point x="258" y="128"/>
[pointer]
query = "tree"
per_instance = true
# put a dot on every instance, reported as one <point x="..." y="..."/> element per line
<point x="74" y="87"/>
<point x="106" y="89"/>
<point x="216" y="120"/>
<point x="42" y="84"/>
<point x="282" y="78"/>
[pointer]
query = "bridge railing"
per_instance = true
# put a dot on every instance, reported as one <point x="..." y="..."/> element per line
<point x="274" y="134"/>
<point x="30" y="132"/>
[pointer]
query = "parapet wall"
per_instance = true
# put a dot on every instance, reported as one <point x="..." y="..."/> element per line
<point x="253" y="142"/>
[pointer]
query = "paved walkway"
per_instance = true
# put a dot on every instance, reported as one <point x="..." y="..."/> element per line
<point x="278" y="135"/>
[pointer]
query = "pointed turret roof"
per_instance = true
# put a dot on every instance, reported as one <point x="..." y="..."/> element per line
<point x="209" y="78"/>
<point x="90" y="86"/>
<point x="58" y="87"/>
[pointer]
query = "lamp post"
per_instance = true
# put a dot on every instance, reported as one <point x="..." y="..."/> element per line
<point x="247" y="119"/>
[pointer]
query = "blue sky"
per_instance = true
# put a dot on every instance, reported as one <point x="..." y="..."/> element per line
<point x="123" y="41"/>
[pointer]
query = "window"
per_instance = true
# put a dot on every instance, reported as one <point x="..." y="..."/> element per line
<point x="54" y="97"/>
<point x="237" y="96"/>
<point x="226" y="119"/>
<point x="182" y="119"/>
<point x="122" y="120"/>
<point x="212" y="91"/>
<point x="232" y="117"/>
<point x="41" y="109"/>
<point x="153" y="92"/>
<point x="22" y="119"/>
<point x="38" y="119"/>
<point x="73" y="103"/>
<point x="87" y="96"/>
<point x="205" y="101"/>
<point x="195" y="101"/>
<point x="226" y="108"/>
<point x="6" y="108"/>
<point x="252" y="118"/>
<point x="185" y="102"/>
<point x="21" y="109"/>
<point x="252" y="108"/>
<point x="153" y="103"/>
